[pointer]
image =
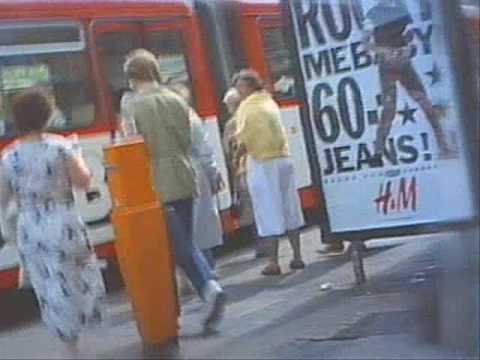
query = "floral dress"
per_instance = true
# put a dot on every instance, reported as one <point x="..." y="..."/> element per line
<point x="51" y="238"/>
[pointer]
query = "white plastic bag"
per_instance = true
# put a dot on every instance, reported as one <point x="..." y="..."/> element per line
<point x="23" y="278"/>
<point x="9" y="224"/>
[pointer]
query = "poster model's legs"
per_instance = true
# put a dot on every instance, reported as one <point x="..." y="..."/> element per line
<point x="409" y="79"/>
<point x="389" y="102"/>
<point x="412" y="83"/>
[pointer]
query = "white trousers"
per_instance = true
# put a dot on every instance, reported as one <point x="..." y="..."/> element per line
<point x="275" y="199"/>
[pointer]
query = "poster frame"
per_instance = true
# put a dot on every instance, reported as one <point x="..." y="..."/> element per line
<point x="464" y="83"/>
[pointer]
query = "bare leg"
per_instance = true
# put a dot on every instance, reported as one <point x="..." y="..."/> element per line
<point x="412" y="82"/>
<point x="294" y="238"/>
<point x="273" y="268"/>
<point x="297" y="263"/>
<point x="434" y="120"/>
<point x="389" y="102"/>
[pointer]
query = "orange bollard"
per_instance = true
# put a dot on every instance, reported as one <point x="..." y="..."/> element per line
<point x="142" y="243"/>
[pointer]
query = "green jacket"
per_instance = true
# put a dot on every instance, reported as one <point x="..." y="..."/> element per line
<point x="162" y="118"/>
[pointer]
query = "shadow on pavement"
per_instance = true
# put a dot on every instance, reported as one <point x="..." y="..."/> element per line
<point x="250" y="288"/>
<point x="17" y="308"/>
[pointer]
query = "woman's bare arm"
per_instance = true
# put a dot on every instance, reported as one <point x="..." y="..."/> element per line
<point x="79" y="172"/>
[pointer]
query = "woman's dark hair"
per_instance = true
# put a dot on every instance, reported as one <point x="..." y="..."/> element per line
<point x="31" y="110"/>
<point x="251" y="77"/>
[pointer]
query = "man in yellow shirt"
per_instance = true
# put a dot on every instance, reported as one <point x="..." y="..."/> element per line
<point x="270" y="172"/>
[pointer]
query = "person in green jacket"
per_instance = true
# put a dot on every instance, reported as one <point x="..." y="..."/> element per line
<point x="163" y="119"/>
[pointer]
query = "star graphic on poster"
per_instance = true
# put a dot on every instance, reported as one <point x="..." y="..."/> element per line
<point x="435" y="74"/>
<point x="408" y="114"/>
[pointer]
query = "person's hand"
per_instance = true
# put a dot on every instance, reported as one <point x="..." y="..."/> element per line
<point x="75" y="144"/>
<point x="219" y="184"/>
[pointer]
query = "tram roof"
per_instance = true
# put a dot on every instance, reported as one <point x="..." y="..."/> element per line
<point x="15" y="9"/>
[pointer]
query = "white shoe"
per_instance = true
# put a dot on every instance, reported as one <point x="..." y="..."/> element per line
<point x="214" y="308"/>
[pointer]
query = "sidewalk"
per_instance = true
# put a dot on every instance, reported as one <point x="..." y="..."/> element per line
<point x="281" y="317"/>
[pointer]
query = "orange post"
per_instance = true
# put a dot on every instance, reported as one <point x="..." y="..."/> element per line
<point x="142" y="243"/>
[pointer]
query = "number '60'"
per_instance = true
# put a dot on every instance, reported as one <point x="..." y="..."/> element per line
<point x="328" y="120"/>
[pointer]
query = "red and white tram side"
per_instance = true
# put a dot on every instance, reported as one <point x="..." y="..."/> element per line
<point x="76" y="48"/>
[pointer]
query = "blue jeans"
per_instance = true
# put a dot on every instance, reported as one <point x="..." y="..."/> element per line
<point x="187" y="254"/>
<point x="208" y="254"/>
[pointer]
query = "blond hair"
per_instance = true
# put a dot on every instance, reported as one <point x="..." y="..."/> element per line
<point x="232" y="96"/>
<point x="142" y="65"/>
<point x="251" y="77"/>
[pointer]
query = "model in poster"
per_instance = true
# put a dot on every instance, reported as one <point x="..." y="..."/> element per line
<point x="386" y="34"/>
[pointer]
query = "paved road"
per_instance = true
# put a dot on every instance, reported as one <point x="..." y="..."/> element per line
<point x="290" y="316"/>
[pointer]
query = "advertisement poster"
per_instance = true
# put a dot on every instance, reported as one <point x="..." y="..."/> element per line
<point x="383" y="107"/>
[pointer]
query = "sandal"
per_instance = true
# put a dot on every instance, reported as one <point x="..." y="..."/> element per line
<point x="272" y="270"/>
<point x="297" y="265"/>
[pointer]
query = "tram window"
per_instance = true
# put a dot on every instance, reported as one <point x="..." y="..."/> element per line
<point x="113" y="49"/>
<point x="62" y="70"/>
<point x="169" y="48"/>
<point x="166" y="45"/>
<point x="279" y="62"/>
<point x="33" y="35"/>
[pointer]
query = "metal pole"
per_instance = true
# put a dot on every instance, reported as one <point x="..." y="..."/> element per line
<point x="357" y="261"/>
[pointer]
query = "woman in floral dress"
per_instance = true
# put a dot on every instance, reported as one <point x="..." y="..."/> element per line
<point x="38" y="172"/>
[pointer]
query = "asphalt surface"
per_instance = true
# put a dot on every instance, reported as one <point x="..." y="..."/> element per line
<point x="317" y="313"/>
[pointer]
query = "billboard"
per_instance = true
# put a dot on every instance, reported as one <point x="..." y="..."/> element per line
<point x="384" y="109"/>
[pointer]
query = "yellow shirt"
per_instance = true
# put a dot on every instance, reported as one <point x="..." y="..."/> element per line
<point x="260" y="129"/>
